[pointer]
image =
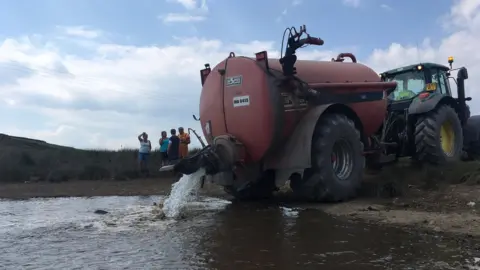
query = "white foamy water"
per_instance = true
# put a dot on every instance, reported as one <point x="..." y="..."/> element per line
<point x="183" y="192"/>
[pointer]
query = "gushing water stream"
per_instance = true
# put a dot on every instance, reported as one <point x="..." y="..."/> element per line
<point x="183" y="192"/>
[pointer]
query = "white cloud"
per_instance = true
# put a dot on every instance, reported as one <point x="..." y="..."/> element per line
<point x="352" y="3"/>
<point x="297" y="2"/>
<point x="282" y="15"/>
<point x="188" y="4"/>
<point x="181" y="17"/>
<point x="196" y="11"/>
<point x="80" y="31"/>
<point x="107" y="97"/>
<point x="462" y="43"/>
<point x="386" y="7"/>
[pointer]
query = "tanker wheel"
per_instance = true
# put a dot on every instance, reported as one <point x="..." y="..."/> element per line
<point x="337" y="162"/>
<point x="439" y="136"/>
<point x="261" y="189"/>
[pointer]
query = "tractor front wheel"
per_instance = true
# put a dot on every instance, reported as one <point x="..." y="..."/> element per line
<point x="439" y="136"/>
<point x="337" y="162"/>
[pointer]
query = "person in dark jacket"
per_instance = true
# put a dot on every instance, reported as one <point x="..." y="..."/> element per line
<point x="173" y="147"/>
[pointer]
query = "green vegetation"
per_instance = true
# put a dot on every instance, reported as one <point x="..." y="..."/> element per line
<point x="23" y="159"/>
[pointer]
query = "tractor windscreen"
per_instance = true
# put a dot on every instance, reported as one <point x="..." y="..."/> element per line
<point x="409" y="85"/>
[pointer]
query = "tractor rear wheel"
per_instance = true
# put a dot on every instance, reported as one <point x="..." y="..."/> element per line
<point x="337" y="162"/>
<point x="439" y="136"/>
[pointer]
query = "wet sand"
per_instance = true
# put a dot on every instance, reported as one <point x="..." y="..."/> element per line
<point x="454" y="208"/>
<point x="447" y="208"/>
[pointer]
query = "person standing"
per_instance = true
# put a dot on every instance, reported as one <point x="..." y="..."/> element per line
<point x="173" y="147"/>
<point x="144" y="152"/>
<point x="184" y="142"/>
<point x="164" y="141"/>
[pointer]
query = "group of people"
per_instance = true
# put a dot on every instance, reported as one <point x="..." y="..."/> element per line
<point x="172" y="148"/>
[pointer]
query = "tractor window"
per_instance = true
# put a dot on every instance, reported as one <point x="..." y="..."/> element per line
<point x="440" y="78"/>
<point x="409" y="85"/>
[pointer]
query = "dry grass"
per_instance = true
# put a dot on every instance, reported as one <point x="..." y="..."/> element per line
<point x="23" y="159"/>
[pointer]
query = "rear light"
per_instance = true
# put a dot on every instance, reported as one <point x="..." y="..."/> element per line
<point x="262" y="57"/>
<point x="208" y="128"/>
<point x="204" y="73"/>
<point x="424" y="95"/>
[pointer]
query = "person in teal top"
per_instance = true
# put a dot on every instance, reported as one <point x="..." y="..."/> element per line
<point x="164" y="141"/>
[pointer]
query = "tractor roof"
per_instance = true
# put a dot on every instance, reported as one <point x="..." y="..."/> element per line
<point x="410" y="67"/>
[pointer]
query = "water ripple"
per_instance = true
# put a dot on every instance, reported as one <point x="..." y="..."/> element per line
<point x="66" y="234"/>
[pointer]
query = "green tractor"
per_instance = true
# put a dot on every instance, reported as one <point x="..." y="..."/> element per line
<point x="424" y="121"/>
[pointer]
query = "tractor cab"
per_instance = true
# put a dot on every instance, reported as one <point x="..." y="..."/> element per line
<point x="424" y="82"/>
<point x="416" y="79"/>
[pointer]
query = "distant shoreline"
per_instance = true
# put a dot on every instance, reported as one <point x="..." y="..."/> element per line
<point x="86" y="188"/>
<point x="29" y="160"/>
<point x="91" y="188"/>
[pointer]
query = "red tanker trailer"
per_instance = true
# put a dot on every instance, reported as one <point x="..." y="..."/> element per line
<point x="270" y="120"/>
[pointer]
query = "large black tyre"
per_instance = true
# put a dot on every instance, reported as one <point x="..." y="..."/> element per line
<point x="261" y="189"/>
<point x="438" y="136"/>
<point x="337" y="162"/>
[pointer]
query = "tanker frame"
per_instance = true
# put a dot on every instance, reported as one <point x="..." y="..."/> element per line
<point x="272" y="120"/>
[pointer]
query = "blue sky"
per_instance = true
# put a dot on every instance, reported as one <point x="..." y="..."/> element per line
<point x="373" y="24"/>
<point x="95" y="73"/>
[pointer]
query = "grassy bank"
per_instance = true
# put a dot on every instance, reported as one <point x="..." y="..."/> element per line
<point x="23" y="159"/>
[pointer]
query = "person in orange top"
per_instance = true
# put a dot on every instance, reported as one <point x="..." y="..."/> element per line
<point x="184" y="142"/>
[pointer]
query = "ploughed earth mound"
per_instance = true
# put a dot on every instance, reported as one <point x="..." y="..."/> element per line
<point x="440" y="199"/>
<point x="450" y="187"/>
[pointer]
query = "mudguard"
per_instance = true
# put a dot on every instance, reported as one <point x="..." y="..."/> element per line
<point x="296" y="152"/>
<point x="419" y="106"/>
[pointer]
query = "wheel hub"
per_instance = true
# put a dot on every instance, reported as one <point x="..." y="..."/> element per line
<point x="342" y="159"/>
<point x="447" y="138"/>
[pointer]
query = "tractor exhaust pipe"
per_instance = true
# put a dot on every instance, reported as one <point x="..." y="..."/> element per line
<point x="462" y="75"/>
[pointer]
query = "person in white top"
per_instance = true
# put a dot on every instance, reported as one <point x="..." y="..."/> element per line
<point x="144" y="152"/>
